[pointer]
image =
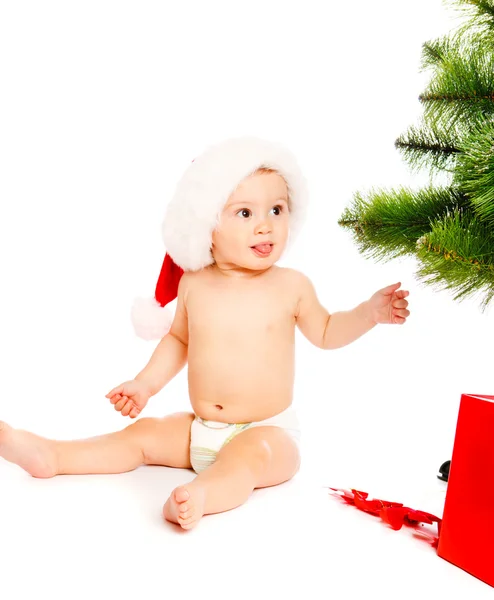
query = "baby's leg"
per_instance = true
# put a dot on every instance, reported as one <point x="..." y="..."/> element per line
<point x="146" y="441"/>
<point x="258" y="457"/>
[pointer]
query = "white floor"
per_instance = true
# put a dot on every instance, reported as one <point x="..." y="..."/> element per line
<point x="103" y="537"/>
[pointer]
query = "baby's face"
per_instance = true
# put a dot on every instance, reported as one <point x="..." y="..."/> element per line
<point x="253" y="228"/>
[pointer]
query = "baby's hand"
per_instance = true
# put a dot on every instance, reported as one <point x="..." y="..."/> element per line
<point x="129" y="397"/>
<point x="389" y="305"/>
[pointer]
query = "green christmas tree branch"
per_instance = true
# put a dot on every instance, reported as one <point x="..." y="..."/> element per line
<point x="474" y="172"/>
<point x="457" y="255"/>
<point x="462" y="87"/>
<point x="480" y="25"/>
<point x="429" y="147"/>
<point x="387" y="224"/>
<point x="437" y="53"/>
<point x="450" y="230"/>
<point x="482" y="10"/>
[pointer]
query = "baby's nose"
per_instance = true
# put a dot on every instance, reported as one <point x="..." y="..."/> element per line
<point x="263" y="227"/>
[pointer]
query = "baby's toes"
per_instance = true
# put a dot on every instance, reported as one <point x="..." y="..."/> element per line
<point x="185" y="508"/>
<point x="187" y="514"/>
<point x="188" y="524"/>
<point x="182" y="497"/>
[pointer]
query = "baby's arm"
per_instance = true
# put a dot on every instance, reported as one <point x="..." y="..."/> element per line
<point x="170" y="355"/>
<point x="324" y="330"/>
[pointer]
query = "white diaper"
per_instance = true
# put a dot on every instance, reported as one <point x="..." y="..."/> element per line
<point x="207" y="438"/>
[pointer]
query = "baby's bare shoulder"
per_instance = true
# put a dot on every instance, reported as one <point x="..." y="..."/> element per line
<point x="293" y="277"/>
<point x="194" y="277"/>
<point x="292" y="284"/>
<point x="188" y="282"/>
<point x="196" y="281"/>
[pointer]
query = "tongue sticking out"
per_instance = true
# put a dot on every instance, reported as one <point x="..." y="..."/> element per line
<point x="263" y="248"/>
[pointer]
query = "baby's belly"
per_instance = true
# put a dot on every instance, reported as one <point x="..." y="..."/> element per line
<point x="235" y="388"/>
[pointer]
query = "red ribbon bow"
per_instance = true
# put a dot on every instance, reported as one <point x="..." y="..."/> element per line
<point x="393" y="513"/>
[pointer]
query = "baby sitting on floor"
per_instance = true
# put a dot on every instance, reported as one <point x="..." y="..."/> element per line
<point x="234" y="326"/>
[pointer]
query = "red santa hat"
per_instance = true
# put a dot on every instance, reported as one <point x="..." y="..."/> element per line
<point x="194" y="211"/>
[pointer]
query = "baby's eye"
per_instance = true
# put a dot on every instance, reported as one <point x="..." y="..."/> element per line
<point x="277" y="209"/>
<point x="245" y="213"/>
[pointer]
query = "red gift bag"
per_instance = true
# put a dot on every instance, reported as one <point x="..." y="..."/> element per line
<point x="467" y="530"/>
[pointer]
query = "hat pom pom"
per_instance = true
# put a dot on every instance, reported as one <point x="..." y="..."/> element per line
<point x="151" y="321"/>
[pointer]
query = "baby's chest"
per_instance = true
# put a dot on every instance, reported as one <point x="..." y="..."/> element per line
<point x="247" y="314"/>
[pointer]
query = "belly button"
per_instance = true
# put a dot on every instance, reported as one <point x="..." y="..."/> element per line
<point x="219" y="407"/>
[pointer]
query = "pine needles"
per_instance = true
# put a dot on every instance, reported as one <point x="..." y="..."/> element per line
<point x="449" y="230"/>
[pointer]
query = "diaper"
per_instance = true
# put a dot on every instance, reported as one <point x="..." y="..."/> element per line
<point x="207" y="438"/>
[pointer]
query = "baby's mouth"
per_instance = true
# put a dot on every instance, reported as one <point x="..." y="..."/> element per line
<point x="262" y="250"/>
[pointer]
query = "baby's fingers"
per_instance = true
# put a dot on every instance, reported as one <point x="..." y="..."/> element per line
<point x="402" y="294"/>
<point x="121" y="403"/>
<point x="134" y="412"/>
<point x="400" y="303"/>
<point x="400" y="315"/>
<point x="127" y="408"/>
<point x="118" y="390"/>
<point x="115" y="398"/>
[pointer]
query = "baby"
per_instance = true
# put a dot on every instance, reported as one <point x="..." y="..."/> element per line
<point x="226" y="227"/>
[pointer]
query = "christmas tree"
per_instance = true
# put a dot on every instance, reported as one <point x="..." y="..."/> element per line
<point x="448" y="225"/>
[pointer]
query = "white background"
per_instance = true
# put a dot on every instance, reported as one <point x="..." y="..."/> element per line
<point x="103" y="105"/>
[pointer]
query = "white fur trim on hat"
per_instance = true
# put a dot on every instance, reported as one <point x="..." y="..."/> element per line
<point x="202" y="192"/>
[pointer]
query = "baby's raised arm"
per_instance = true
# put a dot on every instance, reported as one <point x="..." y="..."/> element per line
<point x="324" y="330"/>
<point x="170" y="355"/>
<point x="388" y="305"/>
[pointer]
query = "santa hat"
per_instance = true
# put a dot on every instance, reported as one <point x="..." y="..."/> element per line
<point x="193" y="214"/>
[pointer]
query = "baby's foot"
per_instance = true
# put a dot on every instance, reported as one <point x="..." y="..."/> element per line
<point x="32" y="453"/>
<point x="185" y="506"/>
